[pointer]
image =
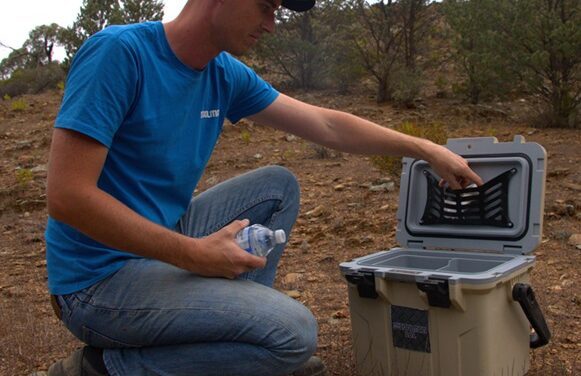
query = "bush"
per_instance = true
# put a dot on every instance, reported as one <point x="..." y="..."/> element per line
<point x="19" y="105"/>
<point x="405" y="85"/>
<point x="433" y="132"/>
<point x="32" y="81"/>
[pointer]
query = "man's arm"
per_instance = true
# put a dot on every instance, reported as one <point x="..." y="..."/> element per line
<point x="74" y="198"/>
<point x="349" y="133"/>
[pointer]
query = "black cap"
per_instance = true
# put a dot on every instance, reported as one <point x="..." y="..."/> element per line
<point x="298" y="5"/>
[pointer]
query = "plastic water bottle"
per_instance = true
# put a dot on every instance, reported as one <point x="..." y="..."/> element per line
<point x="259" y="240"/>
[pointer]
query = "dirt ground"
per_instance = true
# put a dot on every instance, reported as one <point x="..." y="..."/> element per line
<point x="341" y="218"/>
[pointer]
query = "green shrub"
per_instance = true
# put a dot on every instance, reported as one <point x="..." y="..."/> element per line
<point x="19" y="105"/>
<point x="441" y="86"/>
<point x="245" y="136"/>
<point x="32" y="81"/>
<point x="433" y="132"/>
<point x="405" y="85"/>
<point x="24" y="176"/>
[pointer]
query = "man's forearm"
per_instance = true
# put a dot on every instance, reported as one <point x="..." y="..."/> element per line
<point x="356" y="135"/>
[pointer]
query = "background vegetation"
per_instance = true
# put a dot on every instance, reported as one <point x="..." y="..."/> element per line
<point x="491" y="50"/>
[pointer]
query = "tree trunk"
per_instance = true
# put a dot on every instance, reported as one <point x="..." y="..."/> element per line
<point x="383" y="93"/>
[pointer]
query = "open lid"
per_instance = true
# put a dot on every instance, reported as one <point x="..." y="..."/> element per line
<point x="505" y="215"/>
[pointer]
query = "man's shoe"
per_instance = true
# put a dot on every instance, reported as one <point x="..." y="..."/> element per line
<point x="313" y="367"/>
<point x="86" y="361"/>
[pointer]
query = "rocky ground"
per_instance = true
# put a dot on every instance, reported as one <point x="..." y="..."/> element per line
<point x="348" y="210"/>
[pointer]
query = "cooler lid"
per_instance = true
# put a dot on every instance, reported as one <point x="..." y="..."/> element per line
<point x="505" y="215"/>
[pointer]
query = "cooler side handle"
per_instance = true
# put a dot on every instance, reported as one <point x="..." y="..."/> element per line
<point x="524" y="294"/>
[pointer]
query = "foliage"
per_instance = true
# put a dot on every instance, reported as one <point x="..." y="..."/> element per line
<point x="406" y="85"/>
<point x="313" y="49"/>
<point x="294" y="50"/>
<point x="19" y="105"/>
<point x="135" y="11"/>
<point x="434" y="132"/>
<point x="343" y="64"/>
<point x="24" y="176"/>
<point x="245" y="136"/>
<point x="387" y="39"/>
<point x="41" y="42"/>
<point x="18" y="59"/>
<point x="536" y="41"/>
<point x="32" y="80"/>
<point x="544" y="37"/>
<point x="378" y="40"/>
<point x="478" y="49"/>
<point x="95" y="15"/>
<point x="36" y="51"/>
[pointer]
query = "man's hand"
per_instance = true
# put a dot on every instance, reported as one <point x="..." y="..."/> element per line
<point x="452" y="168"/>
<point x="218" y="255"/>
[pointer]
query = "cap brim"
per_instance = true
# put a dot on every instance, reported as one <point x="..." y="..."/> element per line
<point x="298" y="5"/>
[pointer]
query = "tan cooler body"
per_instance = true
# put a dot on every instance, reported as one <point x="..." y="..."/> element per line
<point x="454" y="299"/>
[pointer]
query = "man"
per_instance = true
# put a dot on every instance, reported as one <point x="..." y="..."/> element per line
<point x="152" y="280"/>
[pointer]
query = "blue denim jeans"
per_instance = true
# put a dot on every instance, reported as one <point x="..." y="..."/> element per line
<point x="152" y="318"/>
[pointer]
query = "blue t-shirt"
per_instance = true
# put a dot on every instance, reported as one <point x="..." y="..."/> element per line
<point x="160" y="121"/>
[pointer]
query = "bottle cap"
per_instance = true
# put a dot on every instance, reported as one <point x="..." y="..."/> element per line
<point x="279" y="236"/>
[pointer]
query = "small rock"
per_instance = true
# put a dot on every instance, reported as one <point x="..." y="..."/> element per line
<point x="316" y="212"/>
<point x="573" y="186"/>
<point x="561" y="234"/>
<point x="295" y="294"/>
<point x="339" y="187"/>
<point x="14" y="292"/>
<point x="384" y="207"/>
<point x="290" y="138"/>
<point x="292" y="278"/>
<point x="560" y="171"/>
<point x="305" y="246"/>
<point x="39" y="168"/>
<point x="212" y="180"/>
<point x="257" y="156"/>
<point x="385" y="187"/>
<point x="575" y="240"/>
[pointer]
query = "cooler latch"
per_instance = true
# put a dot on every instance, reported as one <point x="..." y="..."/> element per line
<point x="365" y="282"/>
<point x="438" y="292"/>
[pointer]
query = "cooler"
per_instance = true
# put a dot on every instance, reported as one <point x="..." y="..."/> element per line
<point x="454" y="299"/>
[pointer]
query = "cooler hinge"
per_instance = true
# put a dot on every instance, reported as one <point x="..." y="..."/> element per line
<point x="512" y="249"/>
<point x="365" y="282"/>
<point x="416" y="244"/>
<point x="438" y="292"/>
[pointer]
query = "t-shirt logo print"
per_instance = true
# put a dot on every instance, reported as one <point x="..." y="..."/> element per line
<point x="209" y="114"/>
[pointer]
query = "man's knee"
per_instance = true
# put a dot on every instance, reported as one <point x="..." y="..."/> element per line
<point x="303" y="328"/>
<point x="285" y="179"/>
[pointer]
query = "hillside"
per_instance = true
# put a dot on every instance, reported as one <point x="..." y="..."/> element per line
<point x="341" y="218"/>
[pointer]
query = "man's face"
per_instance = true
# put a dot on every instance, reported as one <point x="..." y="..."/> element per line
<point x="240" y="24"/>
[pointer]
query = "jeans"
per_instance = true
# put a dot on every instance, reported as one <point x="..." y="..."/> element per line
<point x="152" y="318"/>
